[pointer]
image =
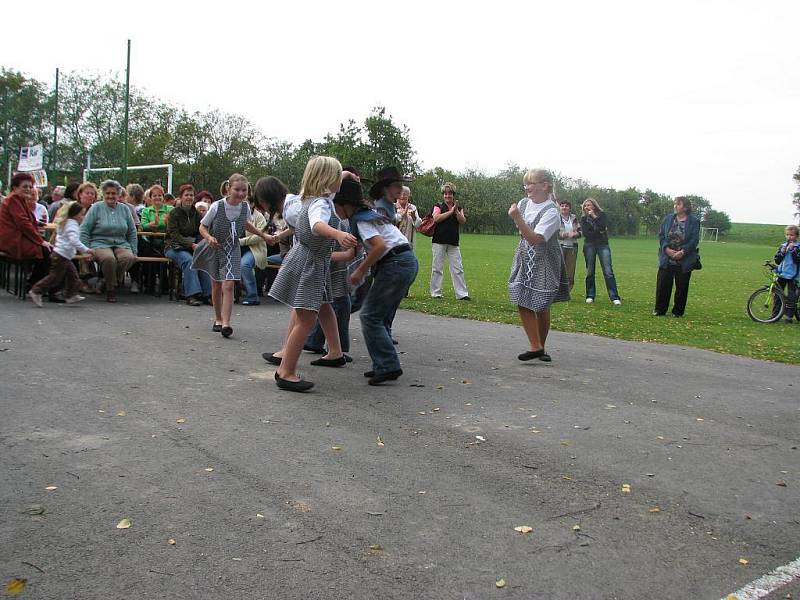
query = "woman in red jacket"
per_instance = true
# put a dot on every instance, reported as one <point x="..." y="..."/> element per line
<point x="19" y="232"/>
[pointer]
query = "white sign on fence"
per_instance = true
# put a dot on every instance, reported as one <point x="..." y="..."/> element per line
<point x="30" y="158"/>
<point x="41" y="178"/>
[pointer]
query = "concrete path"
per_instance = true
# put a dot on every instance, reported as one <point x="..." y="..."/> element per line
<point x="412" y="490"/>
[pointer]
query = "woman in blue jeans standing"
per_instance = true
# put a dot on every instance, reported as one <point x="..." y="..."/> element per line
<point x="594" y="227"/>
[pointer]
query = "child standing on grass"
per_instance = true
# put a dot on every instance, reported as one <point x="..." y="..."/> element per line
<point x="788" y="260"/>
<point x="68" y="241"/>
<point x="222" y="226"/>
<point x="304" y="280"/>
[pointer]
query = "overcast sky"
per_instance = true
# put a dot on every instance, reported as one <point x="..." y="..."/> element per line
<point x="682" y="97"/>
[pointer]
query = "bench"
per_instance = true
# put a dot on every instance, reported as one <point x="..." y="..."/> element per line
<point x="20" y="268"/>
<point x="155" y="268"/>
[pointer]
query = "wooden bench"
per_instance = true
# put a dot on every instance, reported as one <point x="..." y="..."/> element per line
<point x="20" y="268"/>
<point x="154" y="268"/>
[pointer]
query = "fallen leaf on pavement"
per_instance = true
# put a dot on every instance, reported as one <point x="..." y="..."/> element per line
<point x="122" y="413"/>
<point x="780" y="483"/>
<point x="744" y="561"/>
<point x="379" y="441"/>
<point x="655" y="509"/>
<point x="124" y="524"/>
<point x="500" y="583"/>
<point x="259" y="515"/>
<point x="336" y="448"/>
<point x="209" y="469"/>
<point x="181" y="420"/>
<point x="626" y="488"/>
<point x="567" y="478"/>
<point x="171" y="542"/>
<point x="50" y="488"/>
<point x="15" y="586"/>
<point x="700" y="419"/>
<point x="576" y="528"/>
<point x="523" y="529"/>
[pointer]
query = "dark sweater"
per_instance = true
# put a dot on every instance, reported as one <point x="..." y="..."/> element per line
<point x="446" y="231"/>
<point x="595" y="229"/>
<point x="182" y="228"/>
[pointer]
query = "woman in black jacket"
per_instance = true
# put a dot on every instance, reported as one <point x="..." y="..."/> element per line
<point x="594" y="228"/>
<point x="182" y="235"/>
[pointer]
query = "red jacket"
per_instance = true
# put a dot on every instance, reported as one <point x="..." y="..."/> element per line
<point x="19" y="234"/>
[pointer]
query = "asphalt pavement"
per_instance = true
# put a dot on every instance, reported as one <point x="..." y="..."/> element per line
<point x="642" y="470"/>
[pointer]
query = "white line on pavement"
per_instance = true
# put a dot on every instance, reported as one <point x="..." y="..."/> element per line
<point x="764" y="586"/>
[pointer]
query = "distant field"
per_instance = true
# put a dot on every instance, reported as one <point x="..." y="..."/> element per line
<point x="756" y="233"/>
<point x="715" y="316"/>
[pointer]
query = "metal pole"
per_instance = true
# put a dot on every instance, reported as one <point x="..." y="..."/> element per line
<point x="55" y="133"/>
<point x="125" y="130"/>
<point x="6" y="141"/>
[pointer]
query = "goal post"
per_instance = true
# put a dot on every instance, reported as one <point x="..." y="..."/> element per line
<point x="89" y="170"/>
<point x="709" y="233"/>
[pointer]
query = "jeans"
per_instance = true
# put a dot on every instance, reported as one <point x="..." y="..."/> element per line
<point x="790" y="289"/>
<point x="393" y="276"/>
<point x="248" y="265"/>
<point x="316" y="339"/>
<point x="603" y="252"/>
<point x="194" y="282"/>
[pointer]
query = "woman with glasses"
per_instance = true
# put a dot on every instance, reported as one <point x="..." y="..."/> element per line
<point x="538" y="275"/>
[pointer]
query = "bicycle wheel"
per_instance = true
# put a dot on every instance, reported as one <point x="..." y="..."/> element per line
<point x="766" y="305"/>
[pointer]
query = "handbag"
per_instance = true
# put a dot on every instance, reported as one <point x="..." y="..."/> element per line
<point x="428" y="225"/>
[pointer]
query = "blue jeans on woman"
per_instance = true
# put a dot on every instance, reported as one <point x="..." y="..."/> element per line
<point x="316" y="339"/>
<point x="248" y="266"/>
<point x="195" y="283"/>
<point x="393" y="276"/>
<point x="603" y="252"/>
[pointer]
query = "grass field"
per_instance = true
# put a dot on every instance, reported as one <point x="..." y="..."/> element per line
<point x="715" y="315"/>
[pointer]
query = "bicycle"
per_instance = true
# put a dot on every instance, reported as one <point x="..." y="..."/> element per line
<point x="768" y="303"/>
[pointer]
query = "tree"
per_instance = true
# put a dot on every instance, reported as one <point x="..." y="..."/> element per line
<point x="718" y="219"/>
<point x="26" y="108"/>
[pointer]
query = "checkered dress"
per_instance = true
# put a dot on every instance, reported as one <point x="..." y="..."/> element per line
<point x="538" y="275"/>
<point x="304" y="279"/>
<point x="223" y="263"/>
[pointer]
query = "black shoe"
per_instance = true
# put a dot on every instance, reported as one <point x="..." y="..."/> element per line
<point x="194" y="301"/>
<point x="348" y="358"/>
<point x="369" y="374"/>
<point x="251" y="303"/>
<point x="390" y="376"/>
<point x="655" y="313"/>
<point x="531" y="355"/>
<point x="467" y="298"/>
<point x="314" y="350"/>
<point x="395" y="342"/>
<point x="207" y="301"/>
<point x="216" y="327"/>
<point x="226" y="332"/>
<point x="545" y="358"/>
<point x="271" y="358"/>
<point x="293" y="386"/>
<point x="330" y="362"/>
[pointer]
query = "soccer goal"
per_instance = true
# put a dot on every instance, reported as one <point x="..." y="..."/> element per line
<point x="168" y="188"/>
<point x="709" y="233"/>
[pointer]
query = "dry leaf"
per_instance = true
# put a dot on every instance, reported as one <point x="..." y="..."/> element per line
<point x="422" y="492"/>
<point x="336" y="448"/>
<point x="744" y="561"/>
<point x="576" y="528"/>
<point x="659" y="437"/>
<point x="626" y="488"/>
<point x="259" y="515"/>
<point x="101" y="411"/>
<point x="237" y="559"/>
<point x="379" y="441"/>
<point x="567" y="478"/>
<point x="500" y="583"/>
<point x="422" y="412"/>
<point x="209" y="469"/>
<point x="180" y="420"/>
<point x="122" y="413"/>
<point x="480" y="438"/>
<point x="655" y="509"/>
<point x="124" y="524"/>
<point x="435" y="409"/>
<point x="564" y="442"/>
<point x="523" y="529"/>
<point x="15" y="586"/>
<point x="50" y="488"/>
<point x="780" y="483"/>
<point x="439" y="387"/>
<point x="700" y="419"/>
<point x="171" y="542"/>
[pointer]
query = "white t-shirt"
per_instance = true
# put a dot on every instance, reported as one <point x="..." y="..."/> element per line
<point x="40" y="212"/>
<point x="320" y="211"/>
<point x="548" y="224"/>
<point x="391" y="235"/>
<point x="291" y="209"/>
<point x="232" y="212"/>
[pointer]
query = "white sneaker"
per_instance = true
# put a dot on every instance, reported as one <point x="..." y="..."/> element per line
<point x="589" y="300"/>
<point x="617" y="302"/>
<point x="74" y="299"/>
<point x="36" y="298"/>
<point x="134" y="287"/>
